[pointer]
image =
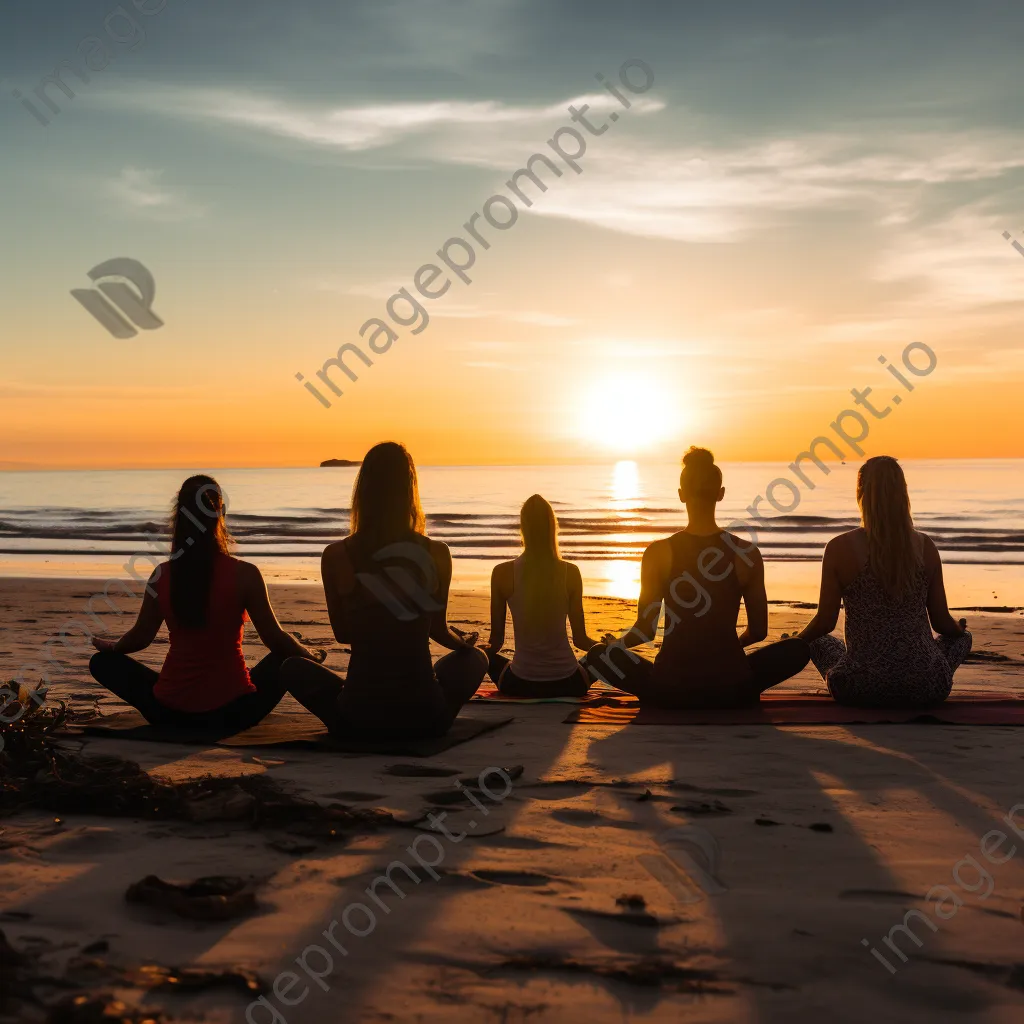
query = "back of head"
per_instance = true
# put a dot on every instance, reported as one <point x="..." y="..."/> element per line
<point x="700" y="479"/>
<point x="199" y="534"/>
<point x="386" y="497"/>
<point x="540" y="557"/>
<point x="893" y="554"/>
<point x="539" y="528"/>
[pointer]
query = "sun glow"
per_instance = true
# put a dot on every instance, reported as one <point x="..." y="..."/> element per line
<point x="628" y="413"/>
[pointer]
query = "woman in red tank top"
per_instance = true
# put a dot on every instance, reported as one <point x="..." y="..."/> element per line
<point x="204" y="595"/>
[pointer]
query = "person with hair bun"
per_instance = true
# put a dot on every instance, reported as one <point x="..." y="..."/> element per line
<point x="204" y="596"/>
<point x="701" y="574"/>
<point x="889" y="578"/>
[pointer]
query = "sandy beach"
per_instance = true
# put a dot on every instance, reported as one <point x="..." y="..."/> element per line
<point x="556" y="905"/>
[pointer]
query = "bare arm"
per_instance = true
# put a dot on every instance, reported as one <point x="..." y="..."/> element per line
<point x="440" y="632"/>
<point x="938" y="607"/>
<point x="147" y="624"/>
<point x="577" y="617"/>
<point x="261" y="613"/>
<point x="755" y="601"/>
<point x="499" y="603"/>
<point x="336" y="573"/>
<point x="653" y="569"/>
<point x="830" y="597"/>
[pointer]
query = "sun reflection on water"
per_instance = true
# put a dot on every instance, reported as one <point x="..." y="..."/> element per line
<point x="623" y="579"/>
<point x="625" y="485"/>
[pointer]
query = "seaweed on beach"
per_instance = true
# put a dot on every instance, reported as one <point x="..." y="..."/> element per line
<point x="37" y="773"/>
<point x="25" y="733"/>
<point x="79" y="992"/>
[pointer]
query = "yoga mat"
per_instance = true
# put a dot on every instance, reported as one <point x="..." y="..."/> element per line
<point x="295" y="731"/>
<point x="492" y="695"/>
<point x="810" y="709"/>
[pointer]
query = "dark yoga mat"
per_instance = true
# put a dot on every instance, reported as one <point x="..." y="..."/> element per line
<point x="295" y="731"/>
<point x="490" y="694"/>
<point x="811" y="709"/>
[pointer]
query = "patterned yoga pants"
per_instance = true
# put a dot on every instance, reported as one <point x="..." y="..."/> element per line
<point x="901" y="687"/>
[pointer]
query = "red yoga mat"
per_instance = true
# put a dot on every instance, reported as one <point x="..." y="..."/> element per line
<point x="810" y="709"/>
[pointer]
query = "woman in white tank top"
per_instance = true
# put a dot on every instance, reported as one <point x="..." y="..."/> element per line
<point x="541" y="591"/>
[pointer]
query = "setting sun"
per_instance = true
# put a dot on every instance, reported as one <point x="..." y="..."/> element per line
<point x="629" y="413"/>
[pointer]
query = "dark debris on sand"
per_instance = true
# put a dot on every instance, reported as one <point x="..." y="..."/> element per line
<point x="30" y="994"/>
<point x="648" y="972"/>
<point x="40" y="775"/>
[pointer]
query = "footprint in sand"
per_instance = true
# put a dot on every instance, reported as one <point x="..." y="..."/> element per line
<point x="523" y="878"/>
<point x="714" y="792"/>
<point x="462" y="880"/>
<point x="584" y="818"/>
<point x="525" y="843"/>
<point x="355" y="796"/>
<point x="420" y="771"/>
<point x="556" y="790"/>
<point x="884" y="895"/>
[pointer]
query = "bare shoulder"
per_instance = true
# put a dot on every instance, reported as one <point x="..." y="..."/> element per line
<point x="573" y="576"/>
<point x="926" y="547"/>
<point x="437" y="547"/>
<point x="846" y="544"/>
<point x="335" y="551"/>
<point x="658" y="552"/>
<point x="246" y="572"/>
<point x="502" y="577"/>
<point x="748" y="547"/>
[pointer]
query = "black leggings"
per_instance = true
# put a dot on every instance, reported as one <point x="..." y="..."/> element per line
<point x="319" y="690"/>
<point x="510" y="685"/>
<point x="133" y="682"/>
<point x="770" y="665"/>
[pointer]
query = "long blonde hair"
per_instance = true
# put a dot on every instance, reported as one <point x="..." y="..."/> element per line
<point x="541" y="556"/>
<point x="894" y="557"/>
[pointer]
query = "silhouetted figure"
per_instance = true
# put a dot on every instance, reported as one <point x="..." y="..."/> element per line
<point x="386" y="586"/>
<point x="541" y="590"/>
<point x="204" y="595"/>
<point x="701" y="575"/>
<point x="889" y="577"/>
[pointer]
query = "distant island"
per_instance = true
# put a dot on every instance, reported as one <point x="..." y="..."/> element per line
<point x="339" y="462"/>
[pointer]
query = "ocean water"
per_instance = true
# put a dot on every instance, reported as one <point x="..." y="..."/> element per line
<point x="89" y="523"/>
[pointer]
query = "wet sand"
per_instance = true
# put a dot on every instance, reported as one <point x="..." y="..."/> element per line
<point x="801" y="843"/>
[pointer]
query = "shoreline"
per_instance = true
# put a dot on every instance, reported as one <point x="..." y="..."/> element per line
<point x="464" y="592"/>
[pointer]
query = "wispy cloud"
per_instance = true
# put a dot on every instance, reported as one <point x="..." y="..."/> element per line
<point x="352" y="128"/>
<point x="725" y="193"/>
<point x="138" y="190"/>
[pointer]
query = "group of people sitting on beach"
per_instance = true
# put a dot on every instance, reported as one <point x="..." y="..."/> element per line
<point x="886" y="574"/>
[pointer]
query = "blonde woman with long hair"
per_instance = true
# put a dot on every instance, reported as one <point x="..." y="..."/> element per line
<point x="541" y="590"/>
<point x="889" y="577"/>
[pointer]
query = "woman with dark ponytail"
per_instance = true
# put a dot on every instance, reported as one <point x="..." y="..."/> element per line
<point x="204" y="595"/>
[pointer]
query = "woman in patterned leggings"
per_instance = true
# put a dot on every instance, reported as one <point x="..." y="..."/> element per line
<point x="889" y="578"/>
